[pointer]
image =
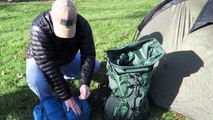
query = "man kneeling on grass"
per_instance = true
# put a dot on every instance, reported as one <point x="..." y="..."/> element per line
<point x="52" y="54"/>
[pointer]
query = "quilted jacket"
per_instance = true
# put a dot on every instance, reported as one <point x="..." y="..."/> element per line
<point x="50" y="52"/>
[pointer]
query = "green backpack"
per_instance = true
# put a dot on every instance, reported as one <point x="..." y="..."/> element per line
<point x="129" y="69"/>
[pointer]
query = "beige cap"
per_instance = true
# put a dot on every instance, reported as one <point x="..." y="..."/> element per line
<point x="64" y="18"/>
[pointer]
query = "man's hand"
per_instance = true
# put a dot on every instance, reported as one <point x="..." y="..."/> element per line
<point x="71" y="103"/>
<point x="85" y="92"/>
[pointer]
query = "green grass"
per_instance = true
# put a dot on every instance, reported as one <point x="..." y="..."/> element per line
<point x="113" y="22"/>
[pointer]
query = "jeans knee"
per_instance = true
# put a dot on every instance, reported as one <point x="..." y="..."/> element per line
<point x="97" y="66"/>
<point x="33" y="81"/>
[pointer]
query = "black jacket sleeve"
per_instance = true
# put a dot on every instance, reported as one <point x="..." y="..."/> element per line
<point x="43" y="53"/>
<point x="88" y="54"/>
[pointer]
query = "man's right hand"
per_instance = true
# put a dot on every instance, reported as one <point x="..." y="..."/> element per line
<point x="71" y="103"/>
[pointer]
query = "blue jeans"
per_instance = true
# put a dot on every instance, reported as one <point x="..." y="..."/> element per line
<point x="38" y="82"/>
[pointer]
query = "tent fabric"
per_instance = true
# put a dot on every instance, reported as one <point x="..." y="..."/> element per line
<point x="183" y="80"/>
<point x="205" y="17"/>
<point x="161" y="7"/>
<point x="173" y="24"/>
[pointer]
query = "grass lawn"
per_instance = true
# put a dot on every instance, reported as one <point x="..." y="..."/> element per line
<point x="113" y="22"/>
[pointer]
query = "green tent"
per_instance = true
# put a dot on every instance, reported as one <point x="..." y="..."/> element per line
<point x="183" y="80"/>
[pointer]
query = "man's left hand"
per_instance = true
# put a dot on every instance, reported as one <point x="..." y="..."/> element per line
<point x="84" y="92"/>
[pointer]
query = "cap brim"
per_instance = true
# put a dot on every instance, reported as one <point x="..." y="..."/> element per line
<point x="64" y="32"/>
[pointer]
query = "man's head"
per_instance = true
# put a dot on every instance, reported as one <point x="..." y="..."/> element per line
<point x="64" y="18"/>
